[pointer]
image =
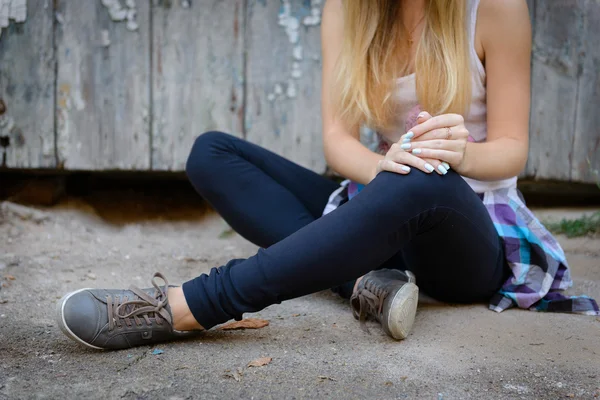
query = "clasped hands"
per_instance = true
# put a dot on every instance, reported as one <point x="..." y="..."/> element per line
<point x="434" y="144"/>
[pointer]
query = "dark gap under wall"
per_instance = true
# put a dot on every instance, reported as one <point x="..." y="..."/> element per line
<point x="173" y="189"/>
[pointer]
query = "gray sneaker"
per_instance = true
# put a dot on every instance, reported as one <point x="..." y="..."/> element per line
<point x="118" y="319"/>
<point x="391" y="297"/>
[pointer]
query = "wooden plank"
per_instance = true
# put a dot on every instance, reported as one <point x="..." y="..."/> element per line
<point x="531" y="7"/>
<point x="27" y="67"/>
<point x="556" y="53"/>
<point x="586" y="146"/>
<point x="283" y="111"/>
<point x="198" y="75"/>
<point x="103" y="88"/>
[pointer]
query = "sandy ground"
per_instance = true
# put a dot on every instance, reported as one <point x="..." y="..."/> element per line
<point x="317" y="348"/>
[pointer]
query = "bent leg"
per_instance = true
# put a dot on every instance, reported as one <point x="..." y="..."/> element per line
<point x="360" y="236"/>
<point x="262" y="196"/>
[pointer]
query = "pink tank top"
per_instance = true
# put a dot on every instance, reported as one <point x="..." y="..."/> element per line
<point x="476" y="121"/>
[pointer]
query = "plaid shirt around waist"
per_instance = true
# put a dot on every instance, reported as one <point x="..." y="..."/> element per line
<point x="539" y="269"/>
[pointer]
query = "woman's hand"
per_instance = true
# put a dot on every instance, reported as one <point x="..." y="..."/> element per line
<point x="443" y="137"/>
<point x="399" y="160"/>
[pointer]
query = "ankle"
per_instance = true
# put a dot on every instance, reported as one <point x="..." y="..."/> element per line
<point x="183" y="319"/>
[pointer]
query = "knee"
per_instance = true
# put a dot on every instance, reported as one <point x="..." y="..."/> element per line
<point x="205" y="147"/>
<point x="427" y="188"/>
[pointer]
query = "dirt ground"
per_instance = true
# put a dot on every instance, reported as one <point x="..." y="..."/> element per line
<point x="317" y="348"/>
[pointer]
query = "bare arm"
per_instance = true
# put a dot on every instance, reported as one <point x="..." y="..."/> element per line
<point x="504" y="30"/>
<point x="343" y="150"/>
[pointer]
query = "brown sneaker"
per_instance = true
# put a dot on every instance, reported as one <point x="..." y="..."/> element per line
<point x="118" y="319"/>
<point x="390" y="296"/>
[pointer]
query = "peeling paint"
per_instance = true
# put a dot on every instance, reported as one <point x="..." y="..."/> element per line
<point x="310" y="14"/>
<point x="289" y="22"/>
<point x="59" y="18"/>
<point x="296" y="71"/>
<point x="297" y="53"/>
<point x="291" y="91"/>
<point x="278" y="89"/>
<point x="314" y="18"/>
<point x="118" y="13"/>
<point x="7" y="123"/>
<point x="12" y="9"/>
<point x="78" y="100"/>
<point x="105" y="38"/>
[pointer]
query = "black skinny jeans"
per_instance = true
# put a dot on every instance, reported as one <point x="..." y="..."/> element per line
<point x="433" y="225"/>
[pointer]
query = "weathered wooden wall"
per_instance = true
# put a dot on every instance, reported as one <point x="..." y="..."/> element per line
<point x="88" y="89"/>
<point x="27" y="95"/>
<point x="565" y="118"/>
<point x="198" y="75"/>
<point x="102" y="88"/>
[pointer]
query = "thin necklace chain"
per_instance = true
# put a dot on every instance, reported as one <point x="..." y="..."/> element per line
<point x="410" y="37"/>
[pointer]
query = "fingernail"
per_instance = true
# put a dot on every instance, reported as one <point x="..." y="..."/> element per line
<point x="429" y="167"/>
<point x="443" y="170"/>
<point x="421" y="114"/>
<point x="446" y="165"/>
<point x="405" y="140"/>
<point x="405" y="168"/>
<point x="409" y="135"/>
<point x="417" y="151"/>
<point x="405" y="146"/>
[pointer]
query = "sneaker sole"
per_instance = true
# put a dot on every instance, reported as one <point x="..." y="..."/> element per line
<point x="402" y="311"/>
<point x="60" y="319"/>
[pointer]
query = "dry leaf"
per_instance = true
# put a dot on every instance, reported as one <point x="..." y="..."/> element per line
<point x="249" y="323"/>
<point x="260" y="362"/>
<point x="295" y="315"/>
<point x="10" y="277"/>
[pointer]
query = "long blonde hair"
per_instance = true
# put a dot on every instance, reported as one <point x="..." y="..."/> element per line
<point x="374" y="55"/>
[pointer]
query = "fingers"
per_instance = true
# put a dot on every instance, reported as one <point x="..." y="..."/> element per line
<point x="450" y="157"/>
<point x="456" y="132"/>
<point x="436" y="144"/>
<point x="391" y="166"/>
<point x="405" y="158"/>
<point x="441" y="167"/>
<point x="437" y="122"/>
<point x="423" y="116"/>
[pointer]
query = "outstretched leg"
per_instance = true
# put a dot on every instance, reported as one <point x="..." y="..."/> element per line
<point x="459" y="255"/>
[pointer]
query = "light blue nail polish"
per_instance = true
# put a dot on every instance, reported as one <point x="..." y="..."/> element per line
<point x="405" y="146"/>
<point x="417" y="151"/>
<point x="429" y="167"/>
<point x="409" y="135"/>
<point x="446" y="165"/>
<point x="443" y="170"/>
<point x="405" y="140"/>
<point x="405" y="168"/>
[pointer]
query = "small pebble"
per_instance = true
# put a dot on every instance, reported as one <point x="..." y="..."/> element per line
<point x="91" y="276"/>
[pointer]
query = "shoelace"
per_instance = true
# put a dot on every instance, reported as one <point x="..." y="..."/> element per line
<point x="143" y="306"/>
<point x="370" y="299"/>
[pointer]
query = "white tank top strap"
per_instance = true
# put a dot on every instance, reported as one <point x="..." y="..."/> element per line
<point x="472" y="26"/>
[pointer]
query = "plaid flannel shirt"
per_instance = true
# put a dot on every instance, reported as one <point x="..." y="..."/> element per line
<point x="539" y="269"/>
